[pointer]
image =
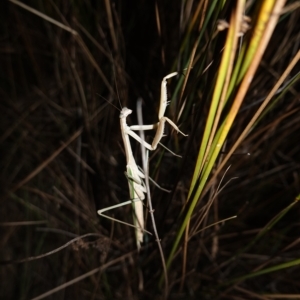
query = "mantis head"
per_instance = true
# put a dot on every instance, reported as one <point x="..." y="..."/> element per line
<point x="125" y="112"/>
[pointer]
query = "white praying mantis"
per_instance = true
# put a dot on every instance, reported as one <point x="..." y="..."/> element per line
<point x="135" y="177"/>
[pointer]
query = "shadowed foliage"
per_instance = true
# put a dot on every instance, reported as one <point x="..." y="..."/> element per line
<point x="229" y="229"/>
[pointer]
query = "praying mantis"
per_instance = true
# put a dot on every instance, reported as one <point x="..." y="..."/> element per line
<point x="136" y="177"/>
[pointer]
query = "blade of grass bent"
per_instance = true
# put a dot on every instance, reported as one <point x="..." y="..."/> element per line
<point x="255" y="117"/>
<point x="269" y="27"/>
<point x="215" y="102"/>
<point x="229" y="48"/>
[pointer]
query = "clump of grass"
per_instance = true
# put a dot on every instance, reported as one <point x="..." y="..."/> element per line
<point x="62" y="156"/>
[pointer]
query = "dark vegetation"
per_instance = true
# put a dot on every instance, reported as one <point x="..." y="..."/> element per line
<point x="62" y="156"/>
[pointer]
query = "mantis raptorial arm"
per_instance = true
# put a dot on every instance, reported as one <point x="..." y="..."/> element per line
<point x="159" y="132"/>
<point x="160" y="125"/>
